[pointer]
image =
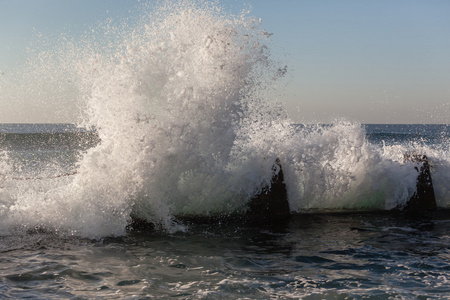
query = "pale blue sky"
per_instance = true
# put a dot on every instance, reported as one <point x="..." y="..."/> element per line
<point x="367" y="61"/>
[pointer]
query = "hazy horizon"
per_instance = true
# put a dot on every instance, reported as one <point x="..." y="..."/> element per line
<point x="377" y="62"/>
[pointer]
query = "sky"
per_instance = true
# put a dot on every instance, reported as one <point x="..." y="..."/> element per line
<point x="360" y="60"/>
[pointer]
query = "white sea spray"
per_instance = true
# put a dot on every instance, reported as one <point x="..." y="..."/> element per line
<point x="179" y="98"/>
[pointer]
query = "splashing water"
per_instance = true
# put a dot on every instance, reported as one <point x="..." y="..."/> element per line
<point x="169" y="109"/>
<point x="179" y="103"/>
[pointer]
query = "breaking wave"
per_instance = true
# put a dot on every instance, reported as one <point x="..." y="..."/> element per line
<point x="179" y="99"/>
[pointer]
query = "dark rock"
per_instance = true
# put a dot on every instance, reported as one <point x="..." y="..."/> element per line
<point x="269" y="207"/>
<point x="423" y="201"/>
<point x="140" y="225"/>
<point x="272" y="204"/>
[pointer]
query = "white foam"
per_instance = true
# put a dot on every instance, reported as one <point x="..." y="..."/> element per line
<point x="179" y="100"/>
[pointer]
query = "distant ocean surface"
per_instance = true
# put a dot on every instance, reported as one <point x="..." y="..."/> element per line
<point x="64" y="141"/>
<point x="314" y="256"/>
<point x="433" y="135"/>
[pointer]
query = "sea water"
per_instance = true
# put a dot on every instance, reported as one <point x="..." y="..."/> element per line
<point x="177" y="118"/>
<point x="325" y="254"/>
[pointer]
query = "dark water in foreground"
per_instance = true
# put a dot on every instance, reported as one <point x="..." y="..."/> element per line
<point x="313" y="257"/>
